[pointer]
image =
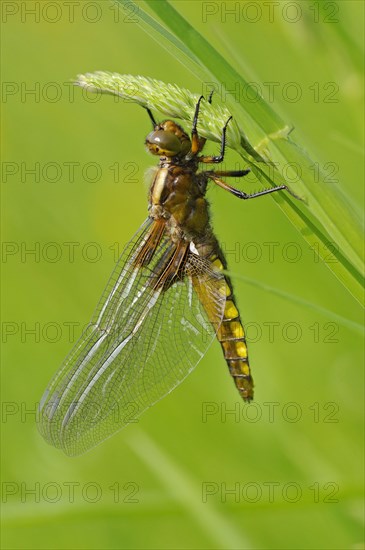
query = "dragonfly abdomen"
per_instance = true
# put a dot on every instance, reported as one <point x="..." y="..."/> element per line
<point x="231" y="336"/>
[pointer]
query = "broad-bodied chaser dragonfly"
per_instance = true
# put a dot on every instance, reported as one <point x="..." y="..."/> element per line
<point x="165" y="302"/>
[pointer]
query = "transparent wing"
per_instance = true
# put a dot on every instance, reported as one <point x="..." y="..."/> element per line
<point x="142" y="342"/>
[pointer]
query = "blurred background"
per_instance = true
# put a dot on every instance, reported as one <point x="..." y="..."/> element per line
<point x="200" y="469"/>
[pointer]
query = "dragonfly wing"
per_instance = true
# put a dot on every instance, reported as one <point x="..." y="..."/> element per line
<point x="143" y="341"/>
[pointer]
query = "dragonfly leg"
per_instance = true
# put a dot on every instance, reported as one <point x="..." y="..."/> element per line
<point x="227" y="173"/>
<point x="219" y="158"/>
<point x="201" y="140"/>
<point x="152" y="118"/>
<point x="196" y="142"/>
<point x="242" y="194"/>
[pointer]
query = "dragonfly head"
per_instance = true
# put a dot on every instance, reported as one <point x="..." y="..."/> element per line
<point x="168" y="139"/>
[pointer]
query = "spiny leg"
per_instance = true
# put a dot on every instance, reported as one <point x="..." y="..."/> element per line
<point x="220" y="157"/>
<point x="210" y="96"/>
<point x="243" y="195"/>
<point x="152" y="118"/>
<point x="195" y="141"/>
<point x="227" y="173"/>
<point x="202" y="140"/>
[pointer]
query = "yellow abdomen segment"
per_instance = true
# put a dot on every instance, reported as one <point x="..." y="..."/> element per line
<point x="231" y="335"/>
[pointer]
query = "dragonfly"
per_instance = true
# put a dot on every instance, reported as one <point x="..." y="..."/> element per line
<point x="167" y="299"/>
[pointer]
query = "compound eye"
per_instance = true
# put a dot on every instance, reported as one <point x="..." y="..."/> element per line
<point x="163" y="143"/>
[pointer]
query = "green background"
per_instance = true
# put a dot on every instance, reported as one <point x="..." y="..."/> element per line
<point x="144" y="488"/>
